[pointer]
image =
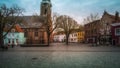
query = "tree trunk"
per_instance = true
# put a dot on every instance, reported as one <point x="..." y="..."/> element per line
<point x="67" y="36"/>
<point x="48" y="40"/>
<point x="1" y="39"/>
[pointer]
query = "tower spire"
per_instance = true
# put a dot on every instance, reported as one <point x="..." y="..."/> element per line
<point x="45" y="7"/>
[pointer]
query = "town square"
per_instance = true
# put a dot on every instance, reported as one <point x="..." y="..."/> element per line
<point x="60" y="56"/>
<point x="59" y="34"/>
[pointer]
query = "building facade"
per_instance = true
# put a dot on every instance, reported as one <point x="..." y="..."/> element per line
<point x="99" y="31"/>
<point x="15" y="36"/>
<point x="73" y="38"/>
<point x="115" y="33"/>
<point x="35" y="31"/>
<point x="59" y="38"/>
<point x="105" y="27"/>
<point x="81" y="36"/>
<point x="92" y="31"/>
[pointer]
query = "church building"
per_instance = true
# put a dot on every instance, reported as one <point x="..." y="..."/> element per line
<point x="34" y="31"/>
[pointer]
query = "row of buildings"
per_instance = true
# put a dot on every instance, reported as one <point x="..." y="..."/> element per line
<point x="77" y="36"/>
<point x="104" y="31"/>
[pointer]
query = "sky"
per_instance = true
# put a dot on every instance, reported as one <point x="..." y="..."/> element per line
<point x="77" y="9"/>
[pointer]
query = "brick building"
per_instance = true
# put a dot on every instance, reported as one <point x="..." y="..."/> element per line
<point x="105" y="27"/>
<point x="100" y="30"/>
<point x="115" y="33"/>
<point x="34" y="30"/>
<point x="92" y="31"/>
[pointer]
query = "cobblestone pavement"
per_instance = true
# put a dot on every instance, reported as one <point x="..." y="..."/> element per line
<point x="61" y="47"/>
<point x="60" y="56"/>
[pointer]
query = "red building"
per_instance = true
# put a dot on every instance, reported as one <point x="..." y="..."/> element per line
<point x="99" y="31"/>
<point x="92" y="31"/>
<point x="115" y="33"/>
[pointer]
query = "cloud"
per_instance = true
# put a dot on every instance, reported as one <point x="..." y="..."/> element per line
<point x="31" y="6"/>
<point x="78" y="9"/>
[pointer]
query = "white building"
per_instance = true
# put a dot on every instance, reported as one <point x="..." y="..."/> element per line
<point x="73" y="37"/>
<point x="59" y="38"/>
<point x="16" y="36"/>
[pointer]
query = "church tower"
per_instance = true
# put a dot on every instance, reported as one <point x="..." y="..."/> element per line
<point x="46" y="7"/>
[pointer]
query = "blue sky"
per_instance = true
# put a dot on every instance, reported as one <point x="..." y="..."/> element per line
<point x="77" y="9"/>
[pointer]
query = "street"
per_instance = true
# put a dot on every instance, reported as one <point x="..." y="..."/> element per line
<point x="59" y="55"/>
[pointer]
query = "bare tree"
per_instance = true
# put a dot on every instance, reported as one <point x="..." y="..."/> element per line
<point x="92" y="27"/>
<point x="49" y="23"/>
<point x="81" y="28"/>
<point x="91" y="18"/>
<point x="8" y="17"/>
<point x="50" y="26"/>
<point x="67" y="24"/>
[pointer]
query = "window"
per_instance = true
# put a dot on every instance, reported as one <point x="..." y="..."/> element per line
<point x="117" y="31"/>
<point x="42" y="37"/>
<point x="26" y="33"/>
<point x="9" y="41"/>
<point x="36" y="33"/>
<point x="75" y="35"/>
<point x="13" y="34"/>
<point x="13" y="41"/>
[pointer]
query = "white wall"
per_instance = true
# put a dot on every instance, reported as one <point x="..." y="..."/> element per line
<point x="59" y="38"/>
<point x="73" y="37"/>
<point x="14" y="37"/>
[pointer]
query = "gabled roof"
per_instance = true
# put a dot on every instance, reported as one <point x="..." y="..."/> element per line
<point x="96" y="21"/>
<point x="18" y="28"/>
<point x="30" y="22"/>
<point x="111" y="16"/>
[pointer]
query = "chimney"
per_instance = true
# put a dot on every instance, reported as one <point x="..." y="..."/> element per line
<point x="105" y="12"/>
